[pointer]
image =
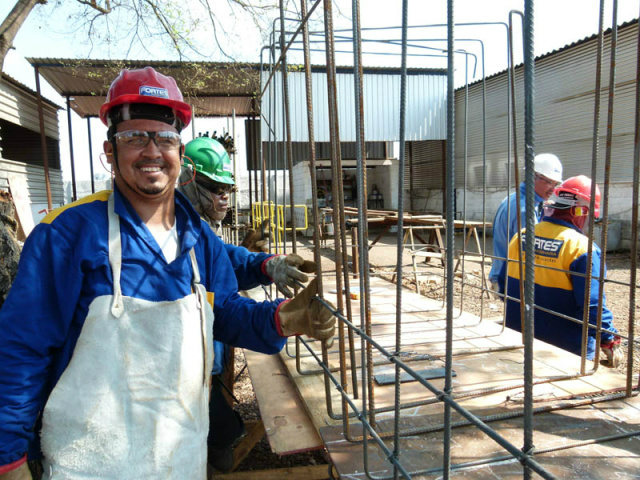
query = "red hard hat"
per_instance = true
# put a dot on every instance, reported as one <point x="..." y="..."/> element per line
<point x="145" y="85"/>
<point x="576" y="191"/>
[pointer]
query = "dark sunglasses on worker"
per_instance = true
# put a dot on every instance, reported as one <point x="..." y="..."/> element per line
<point x="217" y="189"/>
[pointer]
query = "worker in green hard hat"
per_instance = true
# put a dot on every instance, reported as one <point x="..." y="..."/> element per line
<point x="213" y="183"/>
<point x="206" y="180"/>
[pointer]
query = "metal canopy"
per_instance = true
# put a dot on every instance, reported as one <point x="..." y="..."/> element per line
<point x="213" y="89"/>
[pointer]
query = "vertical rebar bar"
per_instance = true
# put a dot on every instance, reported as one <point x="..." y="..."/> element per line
<point x="634" y="224"/>
<point x="450" y="217"/>
<point x="336" y="185"/>
<point x="363" y="224"/>
<point x="312" y="148"/>
<point x="607" y="179"/>
<point x="400" y="231"/>
<point x="594" y="176"/>
<point x="287" y="122"/>
<point x="529" y="279"/>
<point x="237" y="180"/>
<point x="516" y="172"/>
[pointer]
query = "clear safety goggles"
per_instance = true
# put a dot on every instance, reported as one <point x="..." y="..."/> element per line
<point x="547" y="181"/>
<point x="139" y="139"/>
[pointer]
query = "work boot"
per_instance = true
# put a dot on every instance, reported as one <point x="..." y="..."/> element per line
<point x="221" y="458"/>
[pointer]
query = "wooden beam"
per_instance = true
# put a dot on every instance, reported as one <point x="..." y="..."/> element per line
<point x="285" y="418"/>
<point x="312" y="472"/>
<point x="255" y="432"/>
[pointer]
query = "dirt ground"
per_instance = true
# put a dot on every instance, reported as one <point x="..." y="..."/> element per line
<point x="382" y="258"/>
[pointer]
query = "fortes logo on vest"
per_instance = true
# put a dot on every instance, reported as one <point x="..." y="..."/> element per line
<point x="154" y="91"/>
<point x="548" y="247"/>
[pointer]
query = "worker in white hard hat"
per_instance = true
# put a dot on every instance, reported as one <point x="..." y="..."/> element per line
<point x="548" y="169"/>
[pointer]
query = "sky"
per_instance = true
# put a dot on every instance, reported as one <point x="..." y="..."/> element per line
<point x="47" y="33"/>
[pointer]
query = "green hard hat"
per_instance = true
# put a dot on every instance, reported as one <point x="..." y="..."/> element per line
<point x="210" y="159"/>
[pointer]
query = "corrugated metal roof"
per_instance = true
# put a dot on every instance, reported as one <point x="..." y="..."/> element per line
<point x="215" y="89"/>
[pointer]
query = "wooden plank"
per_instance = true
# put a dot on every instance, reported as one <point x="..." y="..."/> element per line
<point x="286" y="421"/>
<point x="255" y="432"/>
<point x="314" y="472"/>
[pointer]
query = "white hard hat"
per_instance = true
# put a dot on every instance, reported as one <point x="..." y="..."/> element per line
<point x="549" y="165"/>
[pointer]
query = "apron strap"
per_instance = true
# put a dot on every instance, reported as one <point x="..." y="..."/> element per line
<point x="194" y="265"/>
<point x="115" y="257"/>
<point x="201" y="300"/>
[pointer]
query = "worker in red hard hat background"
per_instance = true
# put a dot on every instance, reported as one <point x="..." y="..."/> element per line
<point x="560" y="269"/>
<point x="106" y="345"/>
<point x="548" y="175"/>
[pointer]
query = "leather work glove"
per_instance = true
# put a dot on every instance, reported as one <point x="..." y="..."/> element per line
<point x="20" y="473"/>
<point x="613" y="352"/>
<point x="285" y="269"/>
<point x="304" y="314"/>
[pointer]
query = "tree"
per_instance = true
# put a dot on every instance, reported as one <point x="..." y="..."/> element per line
<point x="10" y="26"/>
<point x="174" y="22"/>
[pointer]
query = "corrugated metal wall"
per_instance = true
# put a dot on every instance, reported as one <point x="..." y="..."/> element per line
<point x="37" y="191"/>
<point x="424" y="172"/>
<point x="425" y="168"/>
<point x="22" y="109"/>
<point x="426" y="107"/>
<point x="564" y="105"/>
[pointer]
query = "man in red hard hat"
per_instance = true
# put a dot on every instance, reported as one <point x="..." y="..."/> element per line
<point x="560" y="269"/>
<point x="106" y="345"/>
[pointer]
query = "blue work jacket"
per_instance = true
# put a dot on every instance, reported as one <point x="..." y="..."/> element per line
<point x="505" y="227"/>
<point x="64" y="266"/>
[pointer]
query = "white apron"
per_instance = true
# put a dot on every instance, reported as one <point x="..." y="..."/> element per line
<point x="133" y="401"/>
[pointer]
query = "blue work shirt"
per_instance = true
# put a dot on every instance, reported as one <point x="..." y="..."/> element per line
<point x="505" y="227"/>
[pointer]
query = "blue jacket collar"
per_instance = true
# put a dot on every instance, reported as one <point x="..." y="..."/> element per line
<point x="188" y="221"/>
<point x="557" y="221"/>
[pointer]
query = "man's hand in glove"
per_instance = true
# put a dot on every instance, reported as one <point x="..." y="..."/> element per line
<point x="284" y="270"/>
<point x="304" y="314"/>
<point x="613" y="352"/>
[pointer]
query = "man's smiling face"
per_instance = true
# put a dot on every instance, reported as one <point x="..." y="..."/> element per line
<point x="149" y="171"/>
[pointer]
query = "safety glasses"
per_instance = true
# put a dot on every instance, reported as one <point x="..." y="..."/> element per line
<point x="547" y="181"/>
<point x="139" y="139"/>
